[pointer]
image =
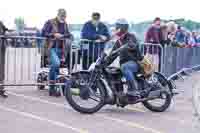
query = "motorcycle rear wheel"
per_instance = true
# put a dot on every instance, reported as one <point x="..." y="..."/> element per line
<point x="165" y="96"/>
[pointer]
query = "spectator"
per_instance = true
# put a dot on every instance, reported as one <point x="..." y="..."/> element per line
<point x="57" y="28"/>
<point x="194" y="37"/>
<point x="3" y="30"/>
<point x="180" y="35"/>
<point x="172" y="28"/>
<point x="164" y="35"/>
<point x="198" y="37"/>
<point x="96" y="31"/>
<point x="153" y="35"/>
<point x="189" y="39"/>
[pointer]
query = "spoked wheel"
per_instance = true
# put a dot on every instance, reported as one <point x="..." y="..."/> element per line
<point x="83" y="97"/>
<point x="163" y="101"/>
<point x="196" y="99"/>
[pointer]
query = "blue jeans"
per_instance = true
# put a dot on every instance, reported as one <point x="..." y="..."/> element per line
<point x="55" y="57"/>
<point x="129" y="69"/>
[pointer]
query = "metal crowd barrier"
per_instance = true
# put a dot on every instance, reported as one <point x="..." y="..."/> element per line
<point x="23" y="59"/>
<point x="176" y="59"/>
<point x="155" y="52"/>
<point x="90" y="50"/>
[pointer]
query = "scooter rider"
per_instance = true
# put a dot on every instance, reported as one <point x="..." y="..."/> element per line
<point x="129" y="55"/>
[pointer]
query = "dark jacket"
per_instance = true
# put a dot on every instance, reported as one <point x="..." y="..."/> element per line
<point x="91" y="32"/>
<point x="54" y="26"/>
<point x="3" y="28"/>
<point x="180" y="36"/>
<point x="131" y="52"/>
<point x="153" y="35"/>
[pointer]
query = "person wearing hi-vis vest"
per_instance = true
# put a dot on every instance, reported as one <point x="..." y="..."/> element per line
<point x="56" y="30"/>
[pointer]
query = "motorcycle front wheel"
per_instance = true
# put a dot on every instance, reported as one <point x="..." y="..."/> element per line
<point x="84" y="98"/>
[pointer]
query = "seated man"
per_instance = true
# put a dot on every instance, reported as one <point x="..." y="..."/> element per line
<point x="129" y="55"/>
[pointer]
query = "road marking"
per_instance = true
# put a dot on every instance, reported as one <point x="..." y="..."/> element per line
<point x="159" y="115"/>
<point x="131" y="124"/>
<point x="62" y="105"/>
<point x="37" y="99"/>
<point x="35" y="117"/>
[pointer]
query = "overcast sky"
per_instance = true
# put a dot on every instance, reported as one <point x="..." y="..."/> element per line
<point x="36" y="12"/>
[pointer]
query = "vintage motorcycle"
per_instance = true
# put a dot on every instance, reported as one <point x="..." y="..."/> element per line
<point x="88" y="91"/>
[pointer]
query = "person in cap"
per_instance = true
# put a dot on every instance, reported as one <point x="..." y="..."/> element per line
<point x="56" y="30"/>
<point x="95" y="31"/>
<point x="129" y="56"/>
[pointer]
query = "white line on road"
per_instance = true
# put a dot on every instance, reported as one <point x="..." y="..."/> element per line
<point x="131" y="124"/>
<point x="127" y="123"/>
<point x="37" y="99"/>
<point x="56" y="123"/>
<point x="62" y="105"/>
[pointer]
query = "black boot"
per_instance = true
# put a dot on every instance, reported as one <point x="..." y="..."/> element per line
<point x="133" y="89"/>
<point x="52" y="90"/>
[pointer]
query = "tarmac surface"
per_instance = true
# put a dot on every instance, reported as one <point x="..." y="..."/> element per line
<point x="28" y="110"/>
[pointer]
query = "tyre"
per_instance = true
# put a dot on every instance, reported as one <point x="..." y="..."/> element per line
<point x="163" y="102"/>
<point x="80" y="84"/>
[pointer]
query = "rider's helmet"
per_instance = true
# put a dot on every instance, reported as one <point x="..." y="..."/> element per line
<point x="122" y="25"/>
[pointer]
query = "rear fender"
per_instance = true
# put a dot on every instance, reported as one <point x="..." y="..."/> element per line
<point x="171" y="86"/>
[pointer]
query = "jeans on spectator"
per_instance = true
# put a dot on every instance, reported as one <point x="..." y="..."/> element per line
<point x="55" y="57"/>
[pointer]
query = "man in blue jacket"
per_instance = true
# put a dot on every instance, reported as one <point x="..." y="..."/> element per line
<point x="180" y="35"/>
<point x="98" y="34"/>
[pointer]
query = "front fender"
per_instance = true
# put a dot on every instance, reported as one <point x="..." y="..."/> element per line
<point x="103" y="82"/>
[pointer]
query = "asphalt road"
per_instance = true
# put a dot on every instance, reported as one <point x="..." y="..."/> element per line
<point x="28" y="110"/>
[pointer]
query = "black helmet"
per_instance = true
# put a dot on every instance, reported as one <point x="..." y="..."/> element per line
<point x="122" y="24"/>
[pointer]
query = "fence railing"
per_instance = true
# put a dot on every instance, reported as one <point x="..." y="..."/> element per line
<point x="24" y="59"/>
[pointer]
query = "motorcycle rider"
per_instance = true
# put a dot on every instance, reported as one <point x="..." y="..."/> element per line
<point x="129" y="55"/>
